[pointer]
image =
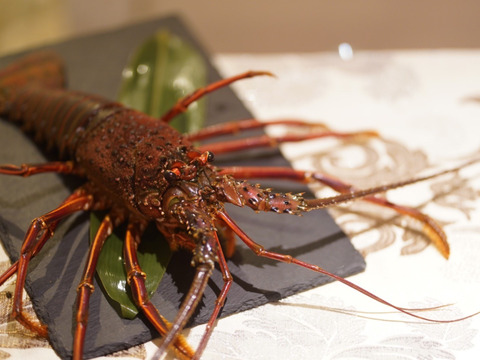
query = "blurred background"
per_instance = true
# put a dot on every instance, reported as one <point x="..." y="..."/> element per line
<point x="255" y="26"/>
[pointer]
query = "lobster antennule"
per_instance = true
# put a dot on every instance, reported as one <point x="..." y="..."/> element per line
<point x="195" y="293"/>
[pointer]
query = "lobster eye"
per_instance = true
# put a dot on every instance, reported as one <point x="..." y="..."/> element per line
<point x="170" y="176"/>
<point x="210" y="156"/>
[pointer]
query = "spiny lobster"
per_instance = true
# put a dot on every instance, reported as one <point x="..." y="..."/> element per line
<point x="142" y="170"/>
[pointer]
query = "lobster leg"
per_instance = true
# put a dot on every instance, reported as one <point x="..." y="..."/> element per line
<point x="228" y="238"/>
<point x="430" y="227"/>
<point x="182" y="105"/>
<point x="12" y="270"/>
<point x="136" y="281"/>
<point x="38" y="246"/>
<point x="63" y="167"/>
<point x="248" y="124"/>
<point x="38" y="233"/>
<point x="274" y="141"/>
<point x="86" y="287"/>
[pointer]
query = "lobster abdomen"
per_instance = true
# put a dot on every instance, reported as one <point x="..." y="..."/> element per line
<point x="32" y="93"/>
<point x="56" y="117"/>
<point x="45" y="68"/>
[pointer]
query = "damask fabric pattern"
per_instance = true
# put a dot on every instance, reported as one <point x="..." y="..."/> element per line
<point x="423" y="103"/>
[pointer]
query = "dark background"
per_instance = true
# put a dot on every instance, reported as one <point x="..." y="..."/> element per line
<point x="256" y="26"/>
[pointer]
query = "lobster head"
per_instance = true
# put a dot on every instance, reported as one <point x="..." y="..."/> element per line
<point x="184" y="209"/>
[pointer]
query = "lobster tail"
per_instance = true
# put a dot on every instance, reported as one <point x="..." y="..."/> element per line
<point x="44" y="68"/>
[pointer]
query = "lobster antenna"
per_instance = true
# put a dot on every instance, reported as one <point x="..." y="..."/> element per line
<point x="313" y="204"/>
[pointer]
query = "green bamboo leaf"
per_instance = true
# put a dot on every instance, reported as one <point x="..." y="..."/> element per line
<point x="162" y="70"/>
<point x="153" y="256"/>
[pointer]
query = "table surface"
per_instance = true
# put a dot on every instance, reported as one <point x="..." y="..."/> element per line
<point x="423" y="104"/>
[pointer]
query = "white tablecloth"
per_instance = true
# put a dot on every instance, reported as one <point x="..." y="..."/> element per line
<point x="421" y="103"/>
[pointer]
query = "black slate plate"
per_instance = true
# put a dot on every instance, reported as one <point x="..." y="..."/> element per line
<point x="94" y="65"/>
